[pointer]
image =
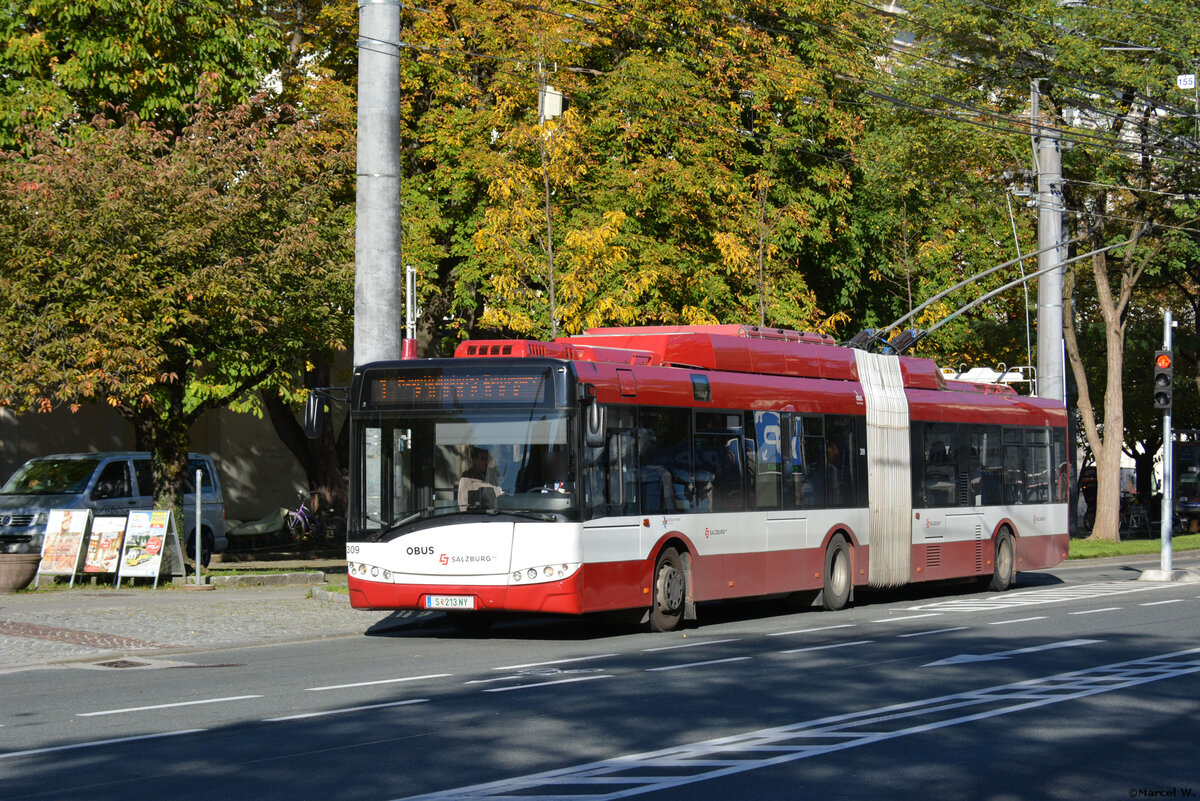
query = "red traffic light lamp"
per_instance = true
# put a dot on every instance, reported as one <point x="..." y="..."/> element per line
<point x="1164" y="379"/>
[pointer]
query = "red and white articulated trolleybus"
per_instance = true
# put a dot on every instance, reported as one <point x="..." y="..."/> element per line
<point x="655" y="468"/>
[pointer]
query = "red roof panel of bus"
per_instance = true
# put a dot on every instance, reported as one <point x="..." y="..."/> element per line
<point x="723" y="348"/>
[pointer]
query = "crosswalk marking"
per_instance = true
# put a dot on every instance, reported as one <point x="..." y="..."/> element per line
<point x="1022" y="598"/>
<point x="656" y="771"/>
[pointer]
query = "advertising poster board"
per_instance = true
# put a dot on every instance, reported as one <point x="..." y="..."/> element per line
<point x="145" y="535"/>
<point x="104" y="545"/>
<point x="65" y="532"/>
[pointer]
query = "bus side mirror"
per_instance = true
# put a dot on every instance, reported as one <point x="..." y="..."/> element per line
<point x="314" y="415"/>
<point x="594" y="423"/>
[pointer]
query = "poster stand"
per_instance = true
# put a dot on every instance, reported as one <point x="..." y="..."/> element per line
<point x="66" y="530"/>
<point x="104" y="546"/>
<point x="150" y="540"/>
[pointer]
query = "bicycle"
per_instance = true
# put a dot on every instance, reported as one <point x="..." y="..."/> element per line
<point x="313" y="525"/>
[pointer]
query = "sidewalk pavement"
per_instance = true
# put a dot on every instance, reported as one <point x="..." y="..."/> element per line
<point x="89" y="624"/>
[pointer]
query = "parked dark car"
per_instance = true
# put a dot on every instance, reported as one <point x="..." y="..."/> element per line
<point x="106" y="483"/>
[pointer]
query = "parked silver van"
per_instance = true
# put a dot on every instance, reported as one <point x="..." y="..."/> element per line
<point x="108" y="484"/>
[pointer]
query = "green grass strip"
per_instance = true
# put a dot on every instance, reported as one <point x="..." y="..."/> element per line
<point x="1094" y="549"/>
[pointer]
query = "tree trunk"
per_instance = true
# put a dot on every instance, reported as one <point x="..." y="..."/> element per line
<point x="167" y="437"/>
<point x="324" y="469"/>
<point x="1108" y="456"/>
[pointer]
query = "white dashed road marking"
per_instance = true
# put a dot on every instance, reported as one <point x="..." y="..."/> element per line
<point x="698" y="664"/>
<point x="905" y="617"/>
<point x="933" y="631"/>
<point x="555" y="662"/>
<point x="826" y="647"/>
<point x="686" y="645"/>
<point x="95" y="743"/>
<point x="380" y="681"/>
<point x="810" y="631"/>
<point x="165" y="706"/>
<point x="548" y="683"/>
<point x="344" y="710"/>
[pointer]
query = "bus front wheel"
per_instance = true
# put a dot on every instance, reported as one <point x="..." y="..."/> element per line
<point x="836" y="592"/>
<point x="670" y="591"/>
<point x="1004" y="565"/>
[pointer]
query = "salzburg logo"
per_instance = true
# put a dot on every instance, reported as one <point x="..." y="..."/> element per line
<point x="444" y="559"/>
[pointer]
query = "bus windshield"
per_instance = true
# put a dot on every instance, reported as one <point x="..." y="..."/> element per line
<point x="421" y="465"/>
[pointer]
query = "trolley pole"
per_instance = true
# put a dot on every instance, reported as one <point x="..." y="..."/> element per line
<point x="1168" y="500"/>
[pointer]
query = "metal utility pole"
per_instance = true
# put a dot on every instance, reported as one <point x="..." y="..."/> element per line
<point x="1168" y="500"/>
<point x="1050" y="361"/>
<point x="378" y="269"/>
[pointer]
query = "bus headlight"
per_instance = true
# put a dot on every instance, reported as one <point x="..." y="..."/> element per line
<point x="546" y="572"/>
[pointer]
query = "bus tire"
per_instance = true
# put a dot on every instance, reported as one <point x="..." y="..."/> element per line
<point x="1004" y="564"/>
<point x="670" y="592"/>
<point x="838" y="576"/>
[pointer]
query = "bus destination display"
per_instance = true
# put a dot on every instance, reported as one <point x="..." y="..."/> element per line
<point x="459" y="389"/>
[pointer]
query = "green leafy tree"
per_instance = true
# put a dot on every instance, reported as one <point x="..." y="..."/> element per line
<point x="166" y="274"/>
<point x="1106" y="79"/>
<point x="149" y="58"/>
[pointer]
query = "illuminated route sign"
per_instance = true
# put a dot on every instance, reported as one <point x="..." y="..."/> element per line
<point x="462" y="389"/>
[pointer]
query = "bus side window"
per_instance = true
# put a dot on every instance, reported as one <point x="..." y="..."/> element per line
<point x="721" y="457"/>
<point x="793" y="463"/>
<point x="1058" y="460"/>
<point x="941" y="464"/>
<point x="814" y="496"/>
<point x="610" y="471"/>
<point x="665" y="461"/>
<point x="1014" y="468"/>
<point x="767" y="464"/>
<point x="840" y="451"/>
<point x="1037" y="465"/>
<point x="986" y="479"/>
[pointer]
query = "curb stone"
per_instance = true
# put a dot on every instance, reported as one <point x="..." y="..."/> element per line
<point x="268" y="579"/>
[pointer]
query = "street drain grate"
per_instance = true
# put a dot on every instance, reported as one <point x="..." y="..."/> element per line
<point x="122" y="663"/>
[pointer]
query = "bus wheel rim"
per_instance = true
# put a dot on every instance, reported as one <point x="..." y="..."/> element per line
<point x="840" y="578"/>
<point x="670" y="585"/>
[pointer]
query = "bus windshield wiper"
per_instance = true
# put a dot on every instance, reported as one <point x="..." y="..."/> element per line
<point x="548" y="516"/>
<point x="399" y="522"/>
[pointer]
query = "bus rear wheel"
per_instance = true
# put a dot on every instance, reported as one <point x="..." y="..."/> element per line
<point x="670" y="592"/>
<point x="1005" y="563"/>
<point x="836" y="592"/>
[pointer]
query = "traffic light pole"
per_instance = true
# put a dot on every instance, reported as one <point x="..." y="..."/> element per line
<point x="1168" y="501"/>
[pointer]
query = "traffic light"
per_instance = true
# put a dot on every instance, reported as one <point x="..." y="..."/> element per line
<point x="1164" y="369"/>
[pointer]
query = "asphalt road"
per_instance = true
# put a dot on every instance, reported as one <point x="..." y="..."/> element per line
<point x="1078" y="683"/>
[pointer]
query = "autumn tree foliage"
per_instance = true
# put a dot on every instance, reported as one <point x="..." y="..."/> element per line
<point x="649" y="201"/>
<point x="166" y="274"/>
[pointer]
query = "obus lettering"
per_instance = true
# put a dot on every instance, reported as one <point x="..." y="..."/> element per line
<point x="420" y="551"/>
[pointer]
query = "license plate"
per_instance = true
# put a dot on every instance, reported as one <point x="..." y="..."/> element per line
<point x="449" y="601"/>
